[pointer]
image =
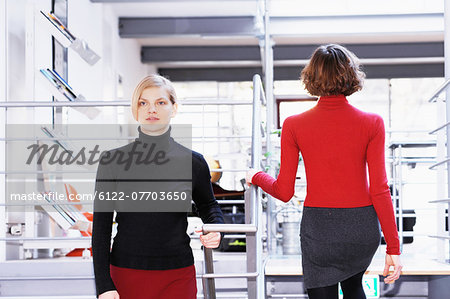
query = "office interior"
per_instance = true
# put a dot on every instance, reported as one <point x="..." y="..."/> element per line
<point x="68" y="71"/>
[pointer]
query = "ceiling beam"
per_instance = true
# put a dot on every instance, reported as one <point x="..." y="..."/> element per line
<point x="199" y="26"/>
<point x="302" y="26"/>
<point x="131" y="1"/>
<point x="204" y="53"/>
<point x="168" y="55"/>
<point x="293" y="73"/>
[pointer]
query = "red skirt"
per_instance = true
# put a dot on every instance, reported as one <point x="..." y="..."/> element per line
<point x="155" y="284"/>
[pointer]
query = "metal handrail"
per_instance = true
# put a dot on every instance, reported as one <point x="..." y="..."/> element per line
<point x="425" y="160"/>
<point x="440" y="237"/>
<point x="253" y="208"/>
<point x="113" y="103"/>
<point x="114" y="139"/>
<point x="438" y="91"/>
<point x="93" y="171"/>
<point x="231" y="275"/>
<point x="19" y="278"/>
<point x="46" y="239"/>
<point x="443" y="139"/>
<point x="439" y="163"/>
<point x="447" y="200"/>
<point x="439" y="128"/>
<point x="32" y="104"/>
<point x="229" y="228"/>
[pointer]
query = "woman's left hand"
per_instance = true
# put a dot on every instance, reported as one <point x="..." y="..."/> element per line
<point x="248" y="177"/>
<point x="210" y="240"/>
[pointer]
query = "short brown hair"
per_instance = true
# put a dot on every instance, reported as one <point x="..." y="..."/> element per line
<point x="333" y="70"/>
<point x="148" y="82"/>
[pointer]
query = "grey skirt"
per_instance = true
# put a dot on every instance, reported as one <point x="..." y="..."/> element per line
<point x="337" y="243"/>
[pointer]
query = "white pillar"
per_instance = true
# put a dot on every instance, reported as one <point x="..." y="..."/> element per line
<point x="447" y="77"/>
<point x="3" y="97"/>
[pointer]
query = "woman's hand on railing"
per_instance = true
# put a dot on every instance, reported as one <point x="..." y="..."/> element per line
<point x="109" y="295"/>
<point x="209" y="240"/>
<point x="249" y="176"/>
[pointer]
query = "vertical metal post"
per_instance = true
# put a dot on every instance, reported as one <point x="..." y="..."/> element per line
<point x="209" y="287"/>
<point x="3" y="97"/>
<point x="441" y="182"/>
<point x="256" y="141"/>
<point x="400" y="196"/>
<point x="389" y="135"/>
<point x="447" y="77"/>
<point x="268" y="80"/>
<point x="268" y="76"/>
<point x="251" y="249"/>
<point x="253" y="209"/>
<point x="394" y="182"/>
<point x="254" y="246"/>
<point x="30" y="83"/>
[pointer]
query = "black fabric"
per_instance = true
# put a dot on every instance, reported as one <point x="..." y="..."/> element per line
<point x="328" y="292"/>
<point x="351" y="288"/>
<point x="337" y="243"/>
<point x="149" y="240"/>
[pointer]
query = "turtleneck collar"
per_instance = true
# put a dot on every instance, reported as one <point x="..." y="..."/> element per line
<point x="332" y="101"/>
<point x="161" y="141"/>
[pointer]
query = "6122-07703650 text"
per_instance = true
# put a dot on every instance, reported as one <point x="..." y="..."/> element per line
<point x="173" y="195"/>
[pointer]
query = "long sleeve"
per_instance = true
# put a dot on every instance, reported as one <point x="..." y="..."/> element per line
<point x="203" y="195"/>
<point x="379" y="189"/>
<point x="101" y="232"/>
<point x="283" y="187"/>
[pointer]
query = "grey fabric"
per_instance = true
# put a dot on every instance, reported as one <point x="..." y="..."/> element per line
<point x="337" y="243"/>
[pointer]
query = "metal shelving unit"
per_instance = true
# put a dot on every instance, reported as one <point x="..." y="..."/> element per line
<point x="397" y="162"/>
<point x="442" y="165"/>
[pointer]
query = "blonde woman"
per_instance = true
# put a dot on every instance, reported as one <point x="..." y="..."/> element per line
<point x="151" y="256"/>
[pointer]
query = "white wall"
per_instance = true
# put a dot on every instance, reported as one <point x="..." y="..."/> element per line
<point x="97" y="24"/>
<point x="3" y="84"/>
<point x="28" y="48"/>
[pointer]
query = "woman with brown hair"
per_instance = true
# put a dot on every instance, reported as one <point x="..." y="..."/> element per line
<point x="340" y="225"/>
<point x="151" y="256"/>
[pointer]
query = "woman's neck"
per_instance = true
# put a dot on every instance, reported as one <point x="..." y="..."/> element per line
<point x="332" y="101"/>
<point x="146" y="129"/>
<point x="161" y="139"/>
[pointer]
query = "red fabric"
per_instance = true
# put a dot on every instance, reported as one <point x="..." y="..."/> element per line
<point x="155" y="284"/>
<point x="338" y="143"/>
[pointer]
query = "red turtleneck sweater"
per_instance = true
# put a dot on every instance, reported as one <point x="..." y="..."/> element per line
<point x="338" y="143"/>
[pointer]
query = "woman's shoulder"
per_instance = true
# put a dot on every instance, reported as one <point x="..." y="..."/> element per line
<point x="368" y="116"/>
<point x="369" y="120"/>
<point x="124" y="148"/>
<point x="298" y="118"/>
<point x="110" y="152"/>
<point x="196" y="156"/>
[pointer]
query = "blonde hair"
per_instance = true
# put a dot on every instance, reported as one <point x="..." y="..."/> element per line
<point x="149" y="82"/>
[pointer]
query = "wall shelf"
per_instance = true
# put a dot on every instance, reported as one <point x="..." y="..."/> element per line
<point x="67" y="39"/>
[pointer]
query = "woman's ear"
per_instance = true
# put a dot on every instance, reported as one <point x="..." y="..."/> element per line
<point x="174" y="109"/>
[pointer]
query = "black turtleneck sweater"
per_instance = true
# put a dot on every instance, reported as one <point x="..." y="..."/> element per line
<point x="147" y="240"/>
